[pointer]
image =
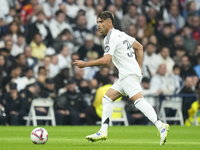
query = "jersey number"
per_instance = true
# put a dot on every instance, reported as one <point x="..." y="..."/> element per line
<point x="130" y="52"/>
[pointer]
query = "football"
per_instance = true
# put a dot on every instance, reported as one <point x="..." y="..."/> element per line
<point x="39" y="136"/>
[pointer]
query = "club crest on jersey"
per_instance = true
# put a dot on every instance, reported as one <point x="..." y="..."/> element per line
<point x="107" y="48"/>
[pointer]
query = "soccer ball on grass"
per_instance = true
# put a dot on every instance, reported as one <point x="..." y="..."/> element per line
<point x="39" y="136"/>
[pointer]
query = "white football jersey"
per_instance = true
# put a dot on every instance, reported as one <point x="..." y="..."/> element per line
<point x="119" y="45"/>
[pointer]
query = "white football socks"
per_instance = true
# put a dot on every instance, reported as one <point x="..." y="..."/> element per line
<point x="107" y="113"/>
<point x="148" y="111"/>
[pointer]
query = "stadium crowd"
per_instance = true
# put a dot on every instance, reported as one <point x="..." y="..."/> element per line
<point x="39" y="40"/>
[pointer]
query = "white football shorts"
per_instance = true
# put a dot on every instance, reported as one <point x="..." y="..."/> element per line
<point x="129" y="85"/>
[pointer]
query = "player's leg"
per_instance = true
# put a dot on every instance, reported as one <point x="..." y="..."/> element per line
<point x="111" y="95"/>
<point x="132" y="88"/>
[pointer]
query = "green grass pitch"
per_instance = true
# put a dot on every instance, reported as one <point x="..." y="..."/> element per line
<point x="119" y="138"/>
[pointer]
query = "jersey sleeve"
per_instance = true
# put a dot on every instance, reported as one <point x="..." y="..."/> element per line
<point x="110" y="43"/>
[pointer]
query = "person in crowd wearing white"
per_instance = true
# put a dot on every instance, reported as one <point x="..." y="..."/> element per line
<point x="165" y="58"/>
<point x="161" y="82"/>
<point x="53" y="66"/>
<point x="18" y="47"/>
<point x="150" y="94"/>
<point x="127" y="55"/>
<point x="58" y="24"/>
<point x="151" y="59"/>
<point x="72" y="8"/>
<point x="22" y="82"/>
<point x="64" y="59"/>
<point x="50" y="7"/>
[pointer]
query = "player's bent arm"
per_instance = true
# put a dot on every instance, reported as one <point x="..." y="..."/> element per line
<point x="105" y="60"/>
<point x="139" y="52"/>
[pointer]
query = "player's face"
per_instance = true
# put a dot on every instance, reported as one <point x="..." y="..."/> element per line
<point x="102" y="26"/>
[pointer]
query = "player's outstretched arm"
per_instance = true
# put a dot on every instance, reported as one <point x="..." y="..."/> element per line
<point x="139" y="52"/>
<point x="105" y="60"/>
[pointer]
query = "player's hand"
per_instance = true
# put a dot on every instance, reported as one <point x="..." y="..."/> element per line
<point x="79" y="63"/>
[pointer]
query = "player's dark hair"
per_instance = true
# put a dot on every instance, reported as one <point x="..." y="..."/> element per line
<point x="105" y="15"/>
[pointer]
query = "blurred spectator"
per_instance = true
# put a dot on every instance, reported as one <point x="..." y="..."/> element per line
<point x="187" y="70"/>
<point x="72" y="8"/>
<point x="61" y="79"/>
<point x="64" y="59"/>
<point x="70" y="105"/>
<point x="117" y="23"/>
<point x="74" y="56"/>
<point x="190" y="9"/>
<point x="165" y="38"/>
<point x="36" y="9"/>
<point x="53" y="66"/>
<point x="158" y="6"/>
<point x="143" y="29"/>
<point x="149" y="93"/>
<point x="132" y="31"/>
<point x="50" y="7"/>
<point x="129" y="18"/>
<point x="152" y="18"/>
<point x="151" y="59"/>
<point x="5" y="37"/>
<point x="161" y="83"/>
<point x="58" y="24"/>
<point x="91" y="13"/>
<point x="14" y="29"/>
<point x="89" y="72"/>
<point x="103" y="72"/>
<point x="174" y="17"/>
<point x="89" y="46"/>
<point x="41" y="77"/>
<point x="197" y="67"/>
<point x="49" y="90"/>
<point x="140" y="7"/>
<point x="4" y="7"/>
<point x="21" y="62"/>
<point x="18" y="47"/>
<point x="10" y="17"/>
<point x="15" y="74"/>
<point x="196" y="28"/>
<point x="30" y="61"/>
<point x="28" y="94"/>
<point x="188" y="88"/>
<point x="165" y="58"/>
<point x="80" y="30"/>
<point x="176" y="79"/>
<point x="98" y="39"/>
<point x="180" y="52"/>
<point x="144" y="41"/>
<point x="22" y="82"/>
<point x="39" y="26"/>
<point x="38" y="47"/>
<point x="64" y="38"/>
<point x="189" y="42"/>
<point x="27" y="10"/>
<point x="13" y="102"/>
<point x="120" y="8"/>
<point x="153" y="40"/>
